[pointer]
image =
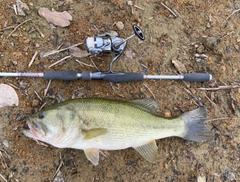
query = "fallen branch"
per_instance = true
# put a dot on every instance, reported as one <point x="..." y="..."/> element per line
<point x="18" y="27"/>
<point x="233" y="13"/>
<point x="174" y="14"/>
<point x="57" y="51"/>
<point x="220" y="88"/>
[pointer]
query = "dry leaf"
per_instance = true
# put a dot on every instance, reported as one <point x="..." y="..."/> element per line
<point x="21" y="8"/>
<point x="179" y="66"/>
<point x="76" y="52"/>
<point x="61" y="19"/>
<point x="8" y="96"/>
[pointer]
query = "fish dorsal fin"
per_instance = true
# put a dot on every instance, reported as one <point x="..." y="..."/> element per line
<point x="92" y="155"/>
<point x="149" y="105"/>
<point x="92" y="133"/>
<point x="149" y="151"/>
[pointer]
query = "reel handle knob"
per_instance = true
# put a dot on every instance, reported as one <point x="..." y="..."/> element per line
<point x="138" y="32"/>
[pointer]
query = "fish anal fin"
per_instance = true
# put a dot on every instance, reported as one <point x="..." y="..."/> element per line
<point x="149" y="105"/>
<point x="149" y="151"/>
<point x="92" y="155"/>
<point x="92" y="133"/>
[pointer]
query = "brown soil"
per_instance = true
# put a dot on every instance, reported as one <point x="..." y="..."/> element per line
<point x="200" y="27"/>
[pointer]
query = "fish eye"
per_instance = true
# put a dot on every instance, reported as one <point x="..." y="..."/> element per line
<point x="41" y="115"/>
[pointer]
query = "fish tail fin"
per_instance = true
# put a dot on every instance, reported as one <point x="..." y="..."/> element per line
<point x="197" y="129"/>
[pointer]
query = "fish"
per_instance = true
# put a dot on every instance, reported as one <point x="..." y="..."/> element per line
<point x="95" y="124"/>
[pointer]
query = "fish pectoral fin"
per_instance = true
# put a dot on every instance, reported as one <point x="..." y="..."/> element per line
<point x="92" y="155"/>
<point x="149" y="151"/>
<point x="92" y="133"/>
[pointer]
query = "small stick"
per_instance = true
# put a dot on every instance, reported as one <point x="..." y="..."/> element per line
<point x="32" y="60"/>
<point x="42" y="106"/>
<point x="84" y="64"/>
<point x="7" y="28"/>
<point x="220" y="88"/>
<point x="194" y="97"/>
<point x="18" y="27"/>
<point x="59" y="167"/>
<point x="233" y="13"/>
<point x="4" y="179"/>
<point x="215" y="119"/>
<point x="5" y="153"/>
<point x="38" y="95"/>
<point x="59" y="61"/>
<point x="45" y="91"/>
<point x="57" y="51"/>
<point x="174" y="14"/>
<point x="149" y="90"/>
<point x="136" y="6"/>
<point x="94" y="64"/>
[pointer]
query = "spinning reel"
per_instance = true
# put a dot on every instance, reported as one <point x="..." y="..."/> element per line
<point x="105" y="43"/>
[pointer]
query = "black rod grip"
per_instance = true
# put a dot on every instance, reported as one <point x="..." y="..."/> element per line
<point x="60" y="75"/>
<point x="197" y="77"/>
<point x="123" y="77"/>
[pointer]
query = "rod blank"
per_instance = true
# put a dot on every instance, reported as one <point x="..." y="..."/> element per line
<point x="111" y="77"/>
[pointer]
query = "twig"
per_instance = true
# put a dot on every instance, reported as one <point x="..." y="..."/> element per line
<point x="18" y="26"/>
<point x="4" y="164"/>
<point x="59" y="167"/>
<point x="84" y="64"/>
<point x="57" y="51"/>
<point x="94" y="64"/>
<point x="46" y="90"/>
<point x="32" y="60"/>
<point x="5" y="153"/>
<point x="149" y="90"/>
<point x="59" y="61"/>
<point x="37" y="95"/>
<point x="194" y="97"/>
<point x="215" y="119"/>
<point x="174" y="14"/>
<point x="42" y="106"/>
<point x="220" y="88"/>
<point x="233" y="13"/>
<point x="7" y="28"/>
<point x="4" y="179"/>
<point x="136" y="6"/>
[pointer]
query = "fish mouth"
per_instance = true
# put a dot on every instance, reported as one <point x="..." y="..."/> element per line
<point x="28" y="130"/>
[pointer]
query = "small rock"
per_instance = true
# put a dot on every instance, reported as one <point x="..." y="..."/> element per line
<point x="130" y="3"/>
<point x="200" y="49"/>
<point x="14" y="62"/>
<point x="232" y="176"/>
<point x="201" y="179"/>
<point x="35" y="102"/>
<point x="167" y="114"/>
<point x="210" y="42"/>
<point x="37" y="45"/>
<point x="208" y="25"/>
<point x="120" y="25"/>
<point x="22" y="85"/>
<point x="113" y="34"/>
<point x="26" y="41"/>
<point x="5" y="143"/>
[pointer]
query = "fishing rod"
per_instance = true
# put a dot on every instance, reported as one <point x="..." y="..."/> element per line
<point x="117" y="77"/>
<point x="106" y="43"/>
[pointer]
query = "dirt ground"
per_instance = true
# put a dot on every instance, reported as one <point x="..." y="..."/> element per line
<point x="201" y="36"/>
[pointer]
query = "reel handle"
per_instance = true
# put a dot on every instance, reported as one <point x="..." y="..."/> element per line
<point x="138" y="32"/>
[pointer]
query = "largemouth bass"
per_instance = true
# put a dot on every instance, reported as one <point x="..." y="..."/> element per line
<point x="101" y="124"/>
